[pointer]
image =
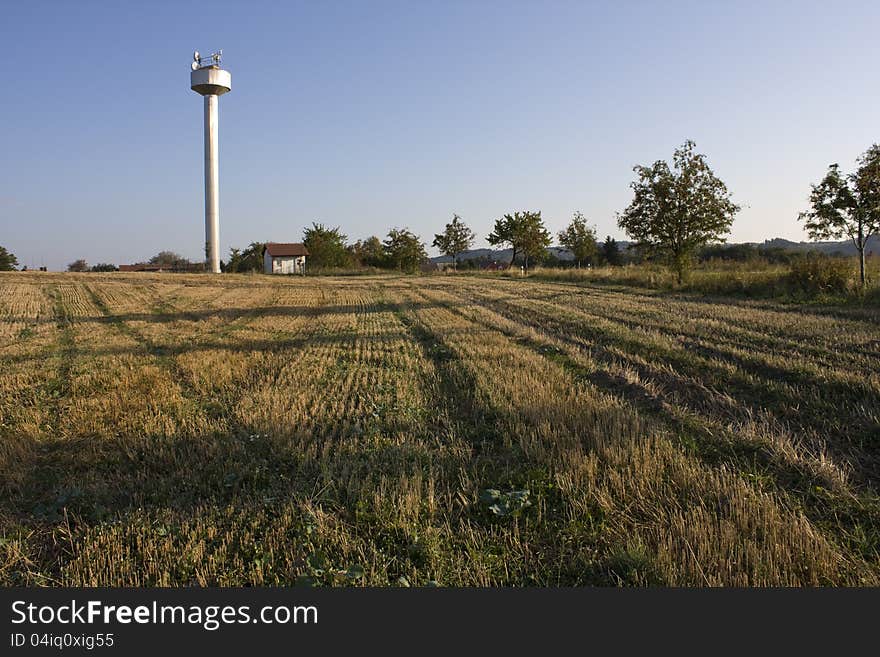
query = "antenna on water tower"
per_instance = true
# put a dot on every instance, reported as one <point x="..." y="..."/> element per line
<point x="211" y="81"/>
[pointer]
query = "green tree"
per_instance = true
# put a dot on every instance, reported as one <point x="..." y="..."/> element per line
<point x="78" y="265"/>
<point x="326" y="246"/>
<point x="404" y="250"/>
<point x="8" y="261"/>
<point x="847" y="205"/>
<point x="104" y="266"/>
<point x="677" y="210"/>
<point x="169" y="259"/>
<point x="524" y="232"/>
<point x="579" y="238"/>
<point x="456" y="238"/>
<point x="610" y="252"/>
<point x="246" y="260"/>
<point x="369" y="252"/>
<point x="232" y="265"/>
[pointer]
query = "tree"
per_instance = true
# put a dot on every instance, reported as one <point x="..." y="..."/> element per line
<point x="247" y="260"/>
<point x="730" y="252"/>
<point x="169" y="259"/>
<point x="579" y="238"/>
<point x="611" y="252"/>
<point x="677" y="210"/>
<point x="404" y="250"/>
<point x="104" y="266"/>
<point x="8" y="261"/>
<point x="456" y="238"/>
<point x="369" y="252"/>
<point x="234" y="262"/>
<point x="326" y="246"/>
<point x="524" y="232"/>
<point x="232" y="265"/>
<point x="78" y="265"/>
<point x="847" y="205"/>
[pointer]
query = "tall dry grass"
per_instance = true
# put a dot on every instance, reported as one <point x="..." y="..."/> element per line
<point x="808" y="278"/>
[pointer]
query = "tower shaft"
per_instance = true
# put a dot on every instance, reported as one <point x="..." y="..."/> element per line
<point x="211" y="82"/>
<point x="212" y="185"/>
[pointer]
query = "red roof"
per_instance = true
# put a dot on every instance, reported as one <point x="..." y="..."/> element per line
<point x="277" y="249"/>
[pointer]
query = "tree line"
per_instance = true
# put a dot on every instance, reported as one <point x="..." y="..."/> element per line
<point x="402" y="250"/>
<point x="677" y="211"/>
<point x="165" y="259"/>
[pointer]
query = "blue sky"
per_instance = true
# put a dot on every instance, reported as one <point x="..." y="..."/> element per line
<point x="369" y="115"/>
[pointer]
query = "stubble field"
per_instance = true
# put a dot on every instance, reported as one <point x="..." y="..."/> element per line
<point x="244" y="430"/>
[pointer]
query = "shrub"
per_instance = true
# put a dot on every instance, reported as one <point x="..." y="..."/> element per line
<point x="816" y="274"/>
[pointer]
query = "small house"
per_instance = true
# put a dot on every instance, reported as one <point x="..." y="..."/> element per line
<point x="281" y="258"/>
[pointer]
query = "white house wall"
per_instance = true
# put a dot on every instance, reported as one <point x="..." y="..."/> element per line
<point x="284" y="264"/>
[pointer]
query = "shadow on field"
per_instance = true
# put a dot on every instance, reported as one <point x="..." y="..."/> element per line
<point x="867" y="312"/>
<point x="90" y="480"/>
<point x="694" y="387"/>
<point x="81" y="481"/>
<point x="229" y="314"/>
<point x="458" y="387"/>
<point x="682" y="413"/>
<point x="226" y="314"/>
<point x="243" y="346"/>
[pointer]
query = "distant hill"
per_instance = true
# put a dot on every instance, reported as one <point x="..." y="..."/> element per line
<point x="844" y="247"/>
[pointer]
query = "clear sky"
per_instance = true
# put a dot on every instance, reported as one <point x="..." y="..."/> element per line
<point x="369" y="115"/>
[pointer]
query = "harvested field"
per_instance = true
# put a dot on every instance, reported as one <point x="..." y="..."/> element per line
<point x="164" y="430"/>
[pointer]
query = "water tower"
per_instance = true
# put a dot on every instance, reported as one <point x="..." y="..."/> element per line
<point x="208" y="79"/>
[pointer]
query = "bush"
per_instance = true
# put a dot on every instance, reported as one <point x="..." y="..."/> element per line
<point x="808" y="277"/>
<point x="78" y="265"/>
<point x="814" y="274"/>
<point x="734" y="252"/>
